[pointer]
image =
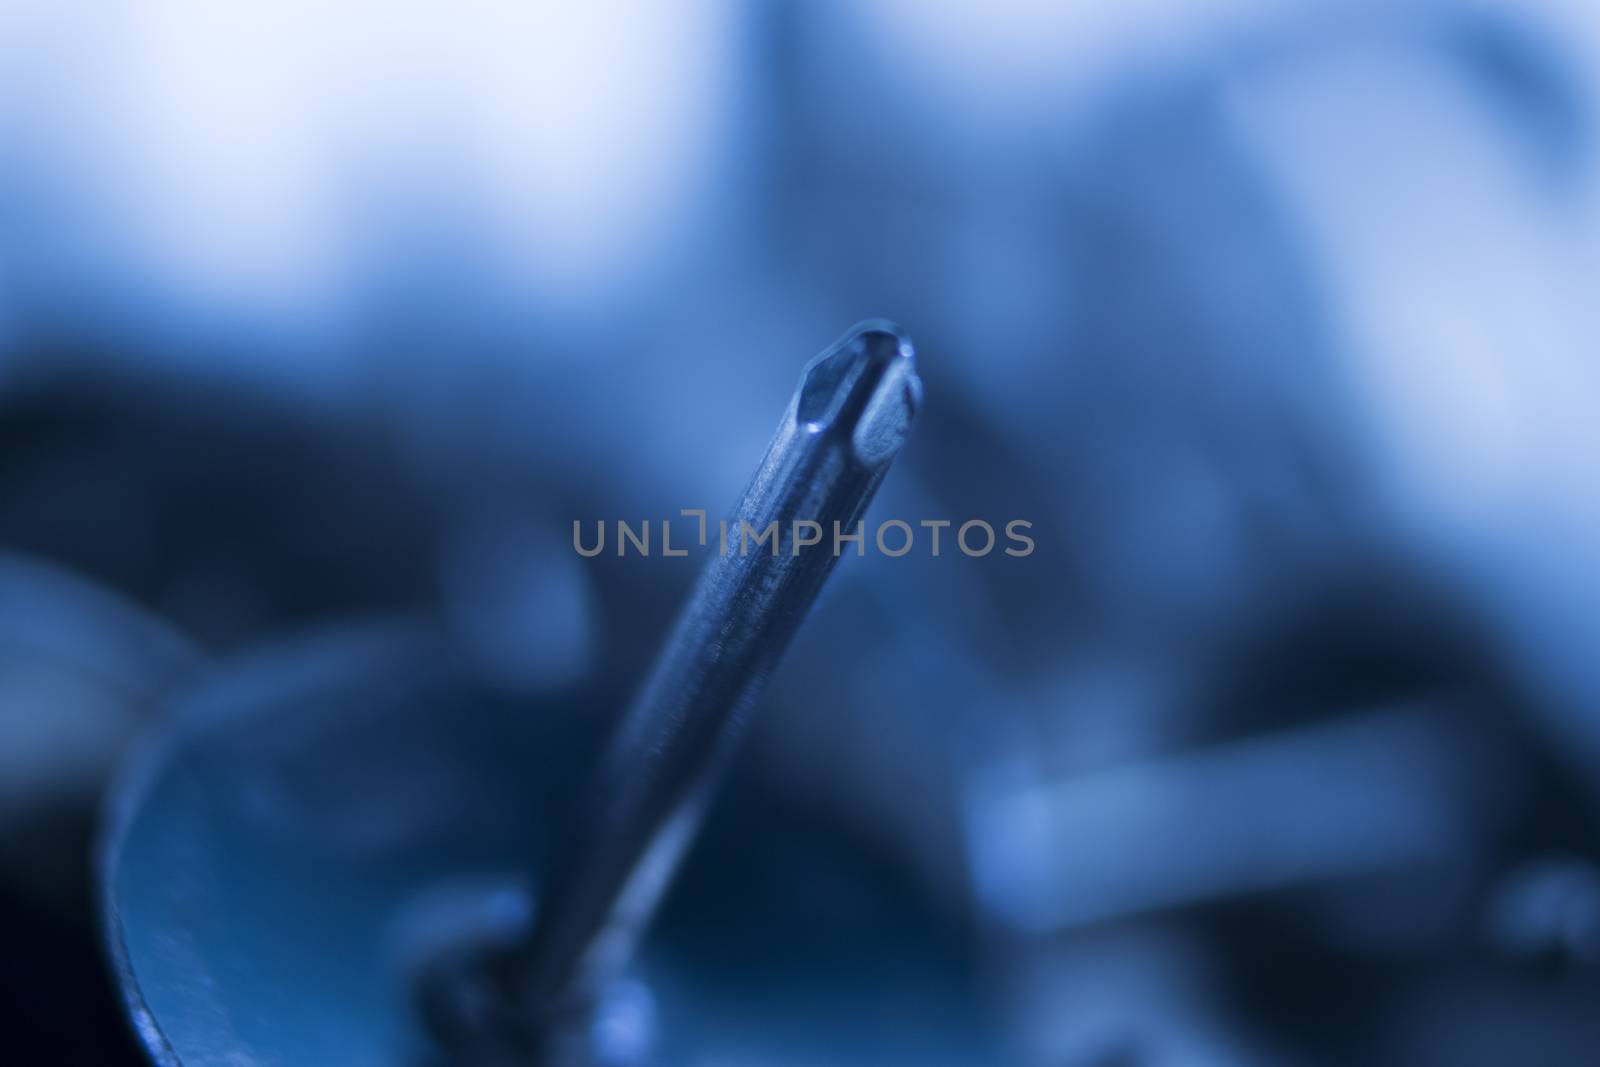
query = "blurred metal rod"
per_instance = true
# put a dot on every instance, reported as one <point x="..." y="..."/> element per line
<point x="848" y="418"/>
<point x="1362" y="793"/>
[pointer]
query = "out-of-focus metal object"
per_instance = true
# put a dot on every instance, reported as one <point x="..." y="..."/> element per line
<point x="1361" y="794"/>
<point x="81" y="670"/>
<point x="272" y="853"/>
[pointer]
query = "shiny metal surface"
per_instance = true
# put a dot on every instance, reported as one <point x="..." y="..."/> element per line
<point x="847" y="419"/>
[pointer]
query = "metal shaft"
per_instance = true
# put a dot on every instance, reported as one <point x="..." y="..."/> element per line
<point x="847" y="420"/>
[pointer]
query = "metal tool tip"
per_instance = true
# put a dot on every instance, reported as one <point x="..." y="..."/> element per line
<point x="865" y="385"/>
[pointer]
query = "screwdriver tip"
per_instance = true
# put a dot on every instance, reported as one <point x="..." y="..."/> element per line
<point x="866" y="386"/>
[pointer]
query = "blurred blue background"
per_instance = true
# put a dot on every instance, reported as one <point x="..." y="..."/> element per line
<point x="1277" y="321"/>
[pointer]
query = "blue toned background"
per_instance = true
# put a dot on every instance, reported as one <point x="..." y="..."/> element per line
<point x="1277" y="321"/>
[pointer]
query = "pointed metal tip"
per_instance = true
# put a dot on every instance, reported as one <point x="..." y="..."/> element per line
<point x="864" y="387"/>
<point x="884" y="339"/>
